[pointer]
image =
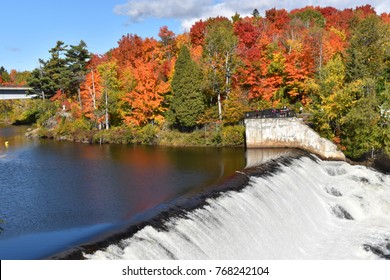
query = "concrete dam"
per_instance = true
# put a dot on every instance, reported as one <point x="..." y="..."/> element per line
<point x="288" y="132"/>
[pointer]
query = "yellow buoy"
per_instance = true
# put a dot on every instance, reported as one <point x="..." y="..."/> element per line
<point x="6" y="144"/>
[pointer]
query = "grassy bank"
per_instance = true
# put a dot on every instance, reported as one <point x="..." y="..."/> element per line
<point x="229" y="136"/>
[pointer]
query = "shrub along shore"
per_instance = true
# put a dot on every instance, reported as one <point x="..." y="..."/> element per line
<point x="217" y="136"/>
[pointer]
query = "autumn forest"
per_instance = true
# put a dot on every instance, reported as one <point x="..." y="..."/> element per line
<point x="193" y="88"/>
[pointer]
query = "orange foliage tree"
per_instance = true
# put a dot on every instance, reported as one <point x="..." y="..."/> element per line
<point x="146" y="99"/>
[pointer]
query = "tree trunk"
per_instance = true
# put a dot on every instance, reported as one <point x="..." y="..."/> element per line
<point x="227" y="75"/>
<point x="93" y="89"/>
<point x="217" y="89"/>
<point x="219" y="105"/>
<point x="93" y="96"/>
<point x="106" y="96"/>
<point x="79" y="97"/>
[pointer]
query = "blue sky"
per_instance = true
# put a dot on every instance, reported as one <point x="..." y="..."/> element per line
<point x="31" y="27"/>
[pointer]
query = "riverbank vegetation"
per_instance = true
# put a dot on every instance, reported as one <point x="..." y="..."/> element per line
<point x="193" y="88"/>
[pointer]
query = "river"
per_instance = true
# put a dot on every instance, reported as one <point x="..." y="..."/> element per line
<point x="70" y="200"/>
<point x="56" y="195"/>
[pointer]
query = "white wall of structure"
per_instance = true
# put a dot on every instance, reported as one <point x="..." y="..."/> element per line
<point x="291" y="133"/>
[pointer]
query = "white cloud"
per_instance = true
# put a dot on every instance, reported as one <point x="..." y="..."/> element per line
<point x="189" y="11"/>
<point x="139" y="10"/>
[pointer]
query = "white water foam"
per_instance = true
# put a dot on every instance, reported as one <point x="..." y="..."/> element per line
<point x="307" y="210"/>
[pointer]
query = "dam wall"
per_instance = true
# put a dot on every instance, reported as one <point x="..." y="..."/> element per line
<point x="288" y="133"/>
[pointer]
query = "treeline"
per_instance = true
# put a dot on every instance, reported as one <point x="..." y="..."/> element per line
<point x="13" y="78"/>
<point x="333" y="63"/>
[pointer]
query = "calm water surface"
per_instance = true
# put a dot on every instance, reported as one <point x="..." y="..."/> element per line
<point x="56" y="195"/>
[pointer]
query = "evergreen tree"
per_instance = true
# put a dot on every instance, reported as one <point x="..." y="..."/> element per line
<point x="52" y="75"/>
<point x="56" y="68"/>
<point x="236" y="17"/>
<point x="64" y="70"/>
<point x="77" y="58"/>
<point x="187" y="103"/>
<point x="40" y="82"/>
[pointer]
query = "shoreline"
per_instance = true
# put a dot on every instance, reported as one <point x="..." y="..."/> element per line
<point x="381" y="162"/>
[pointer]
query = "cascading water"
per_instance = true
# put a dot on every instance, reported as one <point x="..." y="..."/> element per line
<point x="304" y="208"/>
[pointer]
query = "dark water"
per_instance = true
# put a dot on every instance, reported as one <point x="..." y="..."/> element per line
<point x="56" y="195"/>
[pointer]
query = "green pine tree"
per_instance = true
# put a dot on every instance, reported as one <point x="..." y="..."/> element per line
<point x="76" y="61"/>
<point x="187" y="103"/>
<point x="52" y="75"/>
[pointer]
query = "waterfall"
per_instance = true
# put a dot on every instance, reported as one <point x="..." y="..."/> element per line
<point x="304" y="209"/>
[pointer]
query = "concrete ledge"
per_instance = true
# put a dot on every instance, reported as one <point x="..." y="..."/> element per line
<point x="289" y="133"/>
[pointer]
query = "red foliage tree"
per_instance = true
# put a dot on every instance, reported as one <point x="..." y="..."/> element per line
<point x="198" y="32"/>
<point x="128" y="50"/>
<point x="247" y="33"/>
<point x="168" y="42"/>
